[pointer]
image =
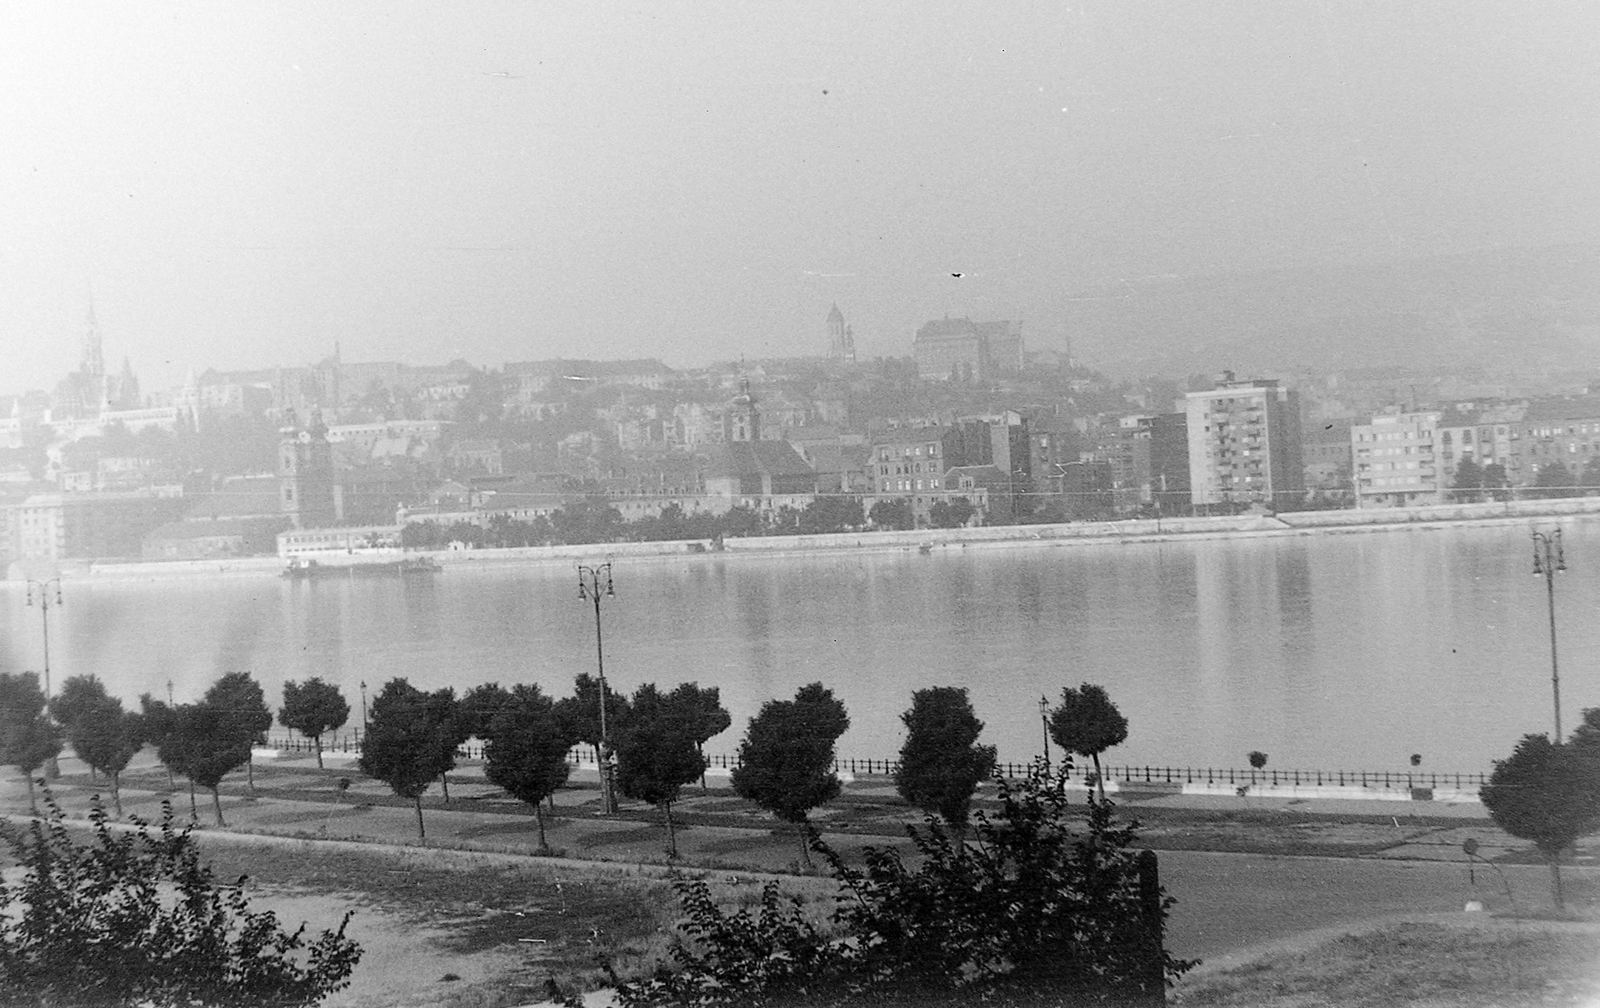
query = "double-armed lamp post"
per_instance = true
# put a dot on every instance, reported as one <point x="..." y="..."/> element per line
<point x="44" y="594"/>
<point x="593" y="583"/>
<point x="1547" y="560"/>
<point x="40" y="594"/>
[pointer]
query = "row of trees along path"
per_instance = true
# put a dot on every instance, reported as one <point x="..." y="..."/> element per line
<point x="412" y="739"/>
<point x="657" y="739"/>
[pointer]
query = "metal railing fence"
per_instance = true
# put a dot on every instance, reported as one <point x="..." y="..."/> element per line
<point x="350" y="743"/>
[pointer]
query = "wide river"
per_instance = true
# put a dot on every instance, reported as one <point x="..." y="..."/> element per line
<point x="1333" y="651"/>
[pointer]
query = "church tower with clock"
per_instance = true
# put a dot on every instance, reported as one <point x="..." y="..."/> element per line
<point x="305" y="472"/>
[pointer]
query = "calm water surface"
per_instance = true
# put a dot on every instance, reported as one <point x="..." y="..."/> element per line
<point x="1334" y="651"/>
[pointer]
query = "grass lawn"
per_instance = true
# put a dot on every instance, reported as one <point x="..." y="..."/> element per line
<point x="569" y="918"/>
<point x="1491" y="963"/>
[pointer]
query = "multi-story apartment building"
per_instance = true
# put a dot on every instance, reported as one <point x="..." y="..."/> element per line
<point x="1563" y="432"/>
<point x="1244" y="443"/>
<point x="1488" y="435"/>
<point x="60" y="526"/>
<point x="1396" y="460"/>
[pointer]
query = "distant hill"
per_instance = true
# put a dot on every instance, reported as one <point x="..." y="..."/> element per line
<point x="1499" y="311"/>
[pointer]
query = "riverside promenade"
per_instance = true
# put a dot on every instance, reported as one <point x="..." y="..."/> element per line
<point x="1286" y="523"/>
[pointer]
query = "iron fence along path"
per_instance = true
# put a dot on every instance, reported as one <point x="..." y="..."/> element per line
<point x="350" y="743"/>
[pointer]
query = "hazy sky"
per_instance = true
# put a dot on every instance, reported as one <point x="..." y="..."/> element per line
<point x="245" y="184"/>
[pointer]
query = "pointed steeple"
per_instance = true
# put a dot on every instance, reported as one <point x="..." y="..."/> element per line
<point x="94" y="362"/>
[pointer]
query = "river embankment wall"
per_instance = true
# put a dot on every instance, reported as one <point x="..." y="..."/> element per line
<point x="1064" y="534"/>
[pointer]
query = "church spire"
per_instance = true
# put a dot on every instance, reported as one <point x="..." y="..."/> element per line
<point x="94" y="362"/>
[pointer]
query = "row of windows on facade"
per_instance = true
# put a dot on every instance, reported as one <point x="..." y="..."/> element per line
<point x="1407" y="450"/>
<point x="1389" y="481"/>
<point x="1390" y="466"/>
<point x="915" y="467"/>
<point x="907" y="451"/>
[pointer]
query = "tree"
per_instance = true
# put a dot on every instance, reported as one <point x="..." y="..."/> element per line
<point x="892" y="513"/>
<point x="703" y="711"/>
<point x="313" y="708"/>
<point x="1032" y="914"/>
<point x="446" y="711"/>
<point x="832" y="513"/>
<point x="102" y="734"/>
<point x="592" y="519"/>
<point x="941" y="762"/>
<point x="952" y="513"/>
<point x="479" y="706"/>
<point x="28" y="738"/>
<point x="525" y="750"/>
<point x="1555" y="480"/>
<point x="657" y="754"/>
<point x="1549" y="794"/>
<point x="205" y="742"/>
<point x="1088" y="723"/>
<point x="1468" y="485"/>
<point x="740" y="521"/>
<point x="241" y="713"/>
<point x="135" y="918"/>
<point x="786" y="758"/>
<point x="580" y="713"/>
<point x="1496" y="482"/>
<point x="406" y="746"/>
<point x="1586" y="736"/>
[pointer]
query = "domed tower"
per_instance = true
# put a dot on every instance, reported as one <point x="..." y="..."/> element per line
<point x="744" y="418"/>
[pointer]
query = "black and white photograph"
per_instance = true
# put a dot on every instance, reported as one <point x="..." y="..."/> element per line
<point x="541" y="504"/>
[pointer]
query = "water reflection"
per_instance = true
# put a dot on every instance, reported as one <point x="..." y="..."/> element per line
<point x="1339" y="650"/>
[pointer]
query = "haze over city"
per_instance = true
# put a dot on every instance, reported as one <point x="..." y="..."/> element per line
<point x="238" y="186"/>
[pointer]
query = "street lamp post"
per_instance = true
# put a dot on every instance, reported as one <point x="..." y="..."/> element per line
<point x="1044" y="721"/>
<point x="363" y="708"/>
<point x="1547" y="560"/>
<point x="39" y="593"/>
<point x="593" y="582"/>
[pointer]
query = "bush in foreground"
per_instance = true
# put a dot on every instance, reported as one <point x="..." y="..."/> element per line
<point x="1030" y="913"/>
<point x="134" y="919"/>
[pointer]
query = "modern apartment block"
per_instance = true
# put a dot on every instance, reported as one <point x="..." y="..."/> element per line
<point x="1244" y="443"/>
<point x="1396" y="460"/>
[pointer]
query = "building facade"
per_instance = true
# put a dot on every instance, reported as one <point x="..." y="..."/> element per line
<point x="1397" y="461"/>
<point x="1244" y="443"/>
<point x="963" y="350"/>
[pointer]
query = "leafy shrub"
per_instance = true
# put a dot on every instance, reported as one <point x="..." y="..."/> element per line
<point x="1031" y="913"/>
<point x="135" y="919"/>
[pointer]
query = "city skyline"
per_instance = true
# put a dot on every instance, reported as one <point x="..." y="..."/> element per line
<point x="694" y="182"/>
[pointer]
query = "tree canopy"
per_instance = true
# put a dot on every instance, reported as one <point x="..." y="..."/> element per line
<point x="786" y="757"/>
<point x="657" y="753"/>
<point x="580" y="713"/>
<point x="100" y="732"/>
<point x="952" y="513"/>
<point x="28" y="738"/>
<point x="892" y="513"/>
<point x="941" y="762"/>
<point x="1087" y="723"/>
<point x="241" y="713"/>
<point x="407" y="745"/>
<point x="525" y="750"/>
<point x="312" y="708"/>
<point x="1549" y="794"/>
